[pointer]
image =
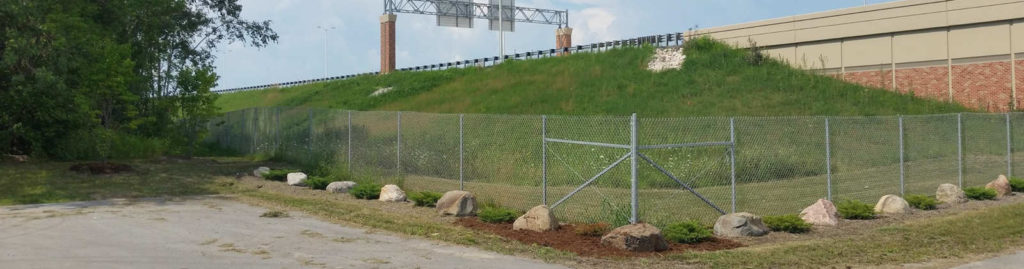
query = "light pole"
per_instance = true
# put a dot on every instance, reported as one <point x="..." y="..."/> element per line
<point x="325" y="29"/>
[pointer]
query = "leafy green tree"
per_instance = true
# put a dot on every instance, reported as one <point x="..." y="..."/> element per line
<point x="139" y="67"/>
<point x="196" y="104"/>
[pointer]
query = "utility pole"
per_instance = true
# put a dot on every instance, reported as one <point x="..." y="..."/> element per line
<point x="325" y="29"/>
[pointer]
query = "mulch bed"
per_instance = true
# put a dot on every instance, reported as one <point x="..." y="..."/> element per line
<point x="107" y="168"/>
<point x="566" y="239"/>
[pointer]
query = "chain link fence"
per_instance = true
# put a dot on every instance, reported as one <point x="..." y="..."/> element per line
<point x="624" y="169"/>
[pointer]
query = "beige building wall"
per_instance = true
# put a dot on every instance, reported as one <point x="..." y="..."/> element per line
<point x="979" y="40"/>
<point x="869" y="51"/>
<point x="823" y="55"/>
<point x="944" y="49"/>
<point x="921" y="47"/>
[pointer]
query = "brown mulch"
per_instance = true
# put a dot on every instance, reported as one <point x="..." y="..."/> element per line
<point x="566" y="239"/>
<point x="106" y="168"/>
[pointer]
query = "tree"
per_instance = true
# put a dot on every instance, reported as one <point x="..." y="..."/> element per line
<point x="196" y="104"/>
<point x="71" y="65"/>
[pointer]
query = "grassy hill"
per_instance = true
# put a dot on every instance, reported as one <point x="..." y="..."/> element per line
<point x="716" y="80"/>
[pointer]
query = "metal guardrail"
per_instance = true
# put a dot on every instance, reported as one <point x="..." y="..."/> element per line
<point x="664" y="40"/>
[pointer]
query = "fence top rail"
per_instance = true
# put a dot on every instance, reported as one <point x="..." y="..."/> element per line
<point x="644" y="119"/>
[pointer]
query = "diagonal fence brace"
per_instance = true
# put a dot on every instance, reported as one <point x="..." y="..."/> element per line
<point x="578" y="189"/>
<point x="685" y="186"/>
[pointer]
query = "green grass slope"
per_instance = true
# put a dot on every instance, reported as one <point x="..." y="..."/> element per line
<point x="715" y="80"/>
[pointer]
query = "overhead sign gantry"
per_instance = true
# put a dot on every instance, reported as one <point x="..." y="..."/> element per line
<point x="502" y="16"/>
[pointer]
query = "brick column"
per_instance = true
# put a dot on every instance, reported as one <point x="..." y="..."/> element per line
<point x="563" y="39"/>
<point x="387" y="43"/>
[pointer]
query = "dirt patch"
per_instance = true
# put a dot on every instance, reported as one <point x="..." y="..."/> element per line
<point x="566" y="239"/>
<point x="107" y="168"/>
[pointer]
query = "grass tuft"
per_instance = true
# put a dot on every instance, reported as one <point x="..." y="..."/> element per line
<point x="787" y="223"/>
<point x="687" y="232"/>
<point x="980" y="193"/>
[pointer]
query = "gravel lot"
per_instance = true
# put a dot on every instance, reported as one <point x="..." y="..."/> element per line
<point x="212" y="232"/>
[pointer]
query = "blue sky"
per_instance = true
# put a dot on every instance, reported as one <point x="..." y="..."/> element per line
<point x="353" y="43"/>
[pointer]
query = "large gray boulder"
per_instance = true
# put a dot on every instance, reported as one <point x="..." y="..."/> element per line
<point x="641" y="237"/>
<point x="822" y="212"/>
<point x="260" y="172"/>
<point x="1001" y="185"/>
<point x="538" y="219"/>
<point x="391" y="193"/>
<point x="340" y="186"/>
<point x="950" y="194"/>
<point x="891" y="205"/>
<point x="457" y="203"/>
<point x="739" y="225"/>
<point x="297" y="179"/>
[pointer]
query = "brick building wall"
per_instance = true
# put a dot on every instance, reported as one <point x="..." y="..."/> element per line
<point x="984" y="86"/>
<point x="1020" y="82"/>
<point x="877" y="79"/>
<point x="929" y="82"/>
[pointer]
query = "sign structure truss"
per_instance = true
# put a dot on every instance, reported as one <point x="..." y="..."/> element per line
<point x="459" y="13"/>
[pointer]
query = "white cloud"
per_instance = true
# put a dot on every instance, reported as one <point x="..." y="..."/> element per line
<point x="595" y="26"/>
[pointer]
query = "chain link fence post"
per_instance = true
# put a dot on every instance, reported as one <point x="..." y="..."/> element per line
<point x="732" y="161"/>
<point x="902" y="170"/>
<point x="311" y="132"/>
<point x="398" y="145"/>
<point x="544" y="158"/>
<point x="349" y="131"/>
<point x="462" y="163"/>
<point x="960" y="148"/>
<point x="1009" y="149"/>
<point x="828" y="160"/>
<point x="634" y="199"/>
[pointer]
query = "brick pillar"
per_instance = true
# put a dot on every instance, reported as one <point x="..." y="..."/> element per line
<point x="563" y="39"/>
<point x="387" y="43"/>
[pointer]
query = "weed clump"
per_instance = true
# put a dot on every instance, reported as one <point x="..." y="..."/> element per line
<point x="274" y="214"/>
<point x="1017" y="184"/>
<point x="497" y="214"/>
<point x="366" y="191"/>
<point x="687" y="232"/>
<point x="979" y="193"/>
<point x="317" y="183"/>
<point x="853" y="209"/>
<point x="593" y="229"/>
<point x="922" y="202"/>
<point x="278" y="174"/>
<point x="787" y="223"/>
<point x="425" y="198"/>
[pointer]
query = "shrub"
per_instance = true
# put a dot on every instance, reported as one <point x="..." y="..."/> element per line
<point x="274" y="214"/>
<point x="425" y="198"/>
<point x="317" y="183"/>
<point x="922" y="202"/>
<point x="853" y="209"/>
<point x="979" y="193"/>
<point x="278" y="174"/>
<point x="367" y="191"/>
<point x="497" y="214"/>
<point x="787" y="223"/>
<point x="1017" y="184"/>
<point x="687" y="232"/>
<point x="593" y="229"/>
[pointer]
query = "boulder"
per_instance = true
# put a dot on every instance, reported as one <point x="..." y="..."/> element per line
<point x="641" y="237"/>
<point x="950" y="194"/>
<point x="392" y="193"/>
<point x="297" y="179"/>
<point x="457" y="203"/>
<point x="538" y="219"/>
<point x="892" y="204"/>
<point x="259" y="172"/>
<point x="822" y="212"/>
<point x="340" y="186"/>
<point x="740" y="224"/>
<point x="1001" y="185"/>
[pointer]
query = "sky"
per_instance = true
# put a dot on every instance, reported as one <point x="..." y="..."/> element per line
<point x="351" y="43"/>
